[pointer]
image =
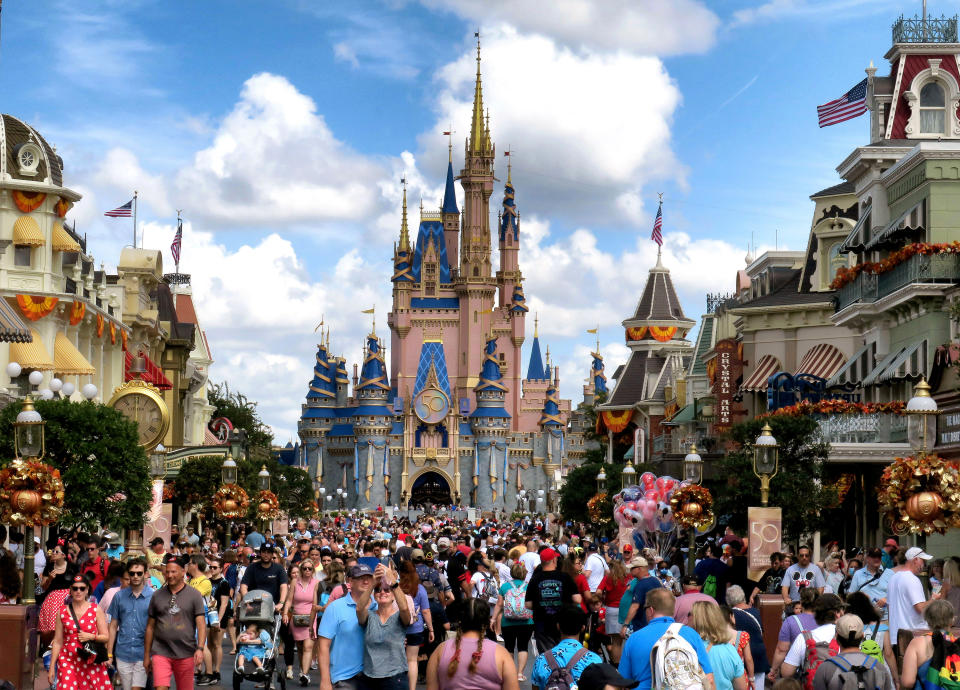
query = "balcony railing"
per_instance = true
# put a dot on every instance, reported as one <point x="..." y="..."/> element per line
<point x="925" y="30"/>
<point x="863" y="428"/>
<point x="866" y="288"/>
<point x="680" y="445"/>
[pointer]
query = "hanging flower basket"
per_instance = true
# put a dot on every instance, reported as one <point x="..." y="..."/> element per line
<point x="31" y="493"/>
<point x="921" y="495"/>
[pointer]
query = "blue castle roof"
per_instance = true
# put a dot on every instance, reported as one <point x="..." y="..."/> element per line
<point x="401" y="268"/>
<point x="431" y="354"/>
<point x="431" y="231"/>
<point x="599" y="378"/>
<point x="519" y="300"/>
<point x="550" y="416"/>
<point x="508" y="216"/>
<point x="490" y="376"/>
<point x="373" y="375"/>
<point x="342" y="372"/>
<point x="535" y="369"/>
<point x="323" y="386"/>
<point x="449" y="193"/>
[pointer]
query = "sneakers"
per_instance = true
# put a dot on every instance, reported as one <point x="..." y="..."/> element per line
<point x="313" y="665"/>
<point x="304" y="679"/>
<point x="290" y="672"/>
<point x="206" y="679"/>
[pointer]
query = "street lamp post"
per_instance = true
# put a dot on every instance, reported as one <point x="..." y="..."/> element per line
<point x="692" y="473"/>
<point x="321" y="496"/>
<point x="340" y="498"/>
<point x="28" y="445"/>
<point x="263" y="481"/>
<point x="228" y="475"/>
<point x="629" y="475"/>
<point x="922" y="414"/>
<point x="521" y="500"/>
<point x="601" y="480"/>
<point x="765" y="461"/>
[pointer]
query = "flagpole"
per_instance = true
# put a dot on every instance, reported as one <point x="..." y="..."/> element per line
<point x="179" y="229"/>
<point x="134" y="218"/>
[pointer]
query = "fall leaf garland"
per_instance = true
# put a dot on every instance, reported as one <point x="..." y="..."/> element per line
<point x="837" y="406"/>
<point x="845" y="276"/>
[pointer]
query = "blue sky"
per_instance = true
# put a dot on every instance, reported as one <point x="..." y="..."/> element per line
<point x="282" y="129"/>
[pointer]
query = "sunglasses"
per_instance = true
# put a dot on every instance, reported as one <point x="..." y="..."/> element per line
<point x="383" y="591"/>
<point x="78" y="588"/>
<point x="92" y="548"/>
<point x="135" y="574"/>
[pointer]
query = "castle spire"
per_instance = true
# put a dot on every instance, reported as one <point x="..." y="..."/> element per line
<point x="449" y="193"/>
<point x="404" y="232"/>
<point x="478" y="131"/>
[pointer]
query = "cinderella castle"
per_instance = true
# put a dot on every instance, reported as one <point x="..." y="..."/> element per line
<point x="454" y="422"/>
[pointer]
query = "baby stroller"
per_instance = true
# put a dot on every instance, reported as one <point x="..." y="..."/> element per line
<point x="257" y="607"/>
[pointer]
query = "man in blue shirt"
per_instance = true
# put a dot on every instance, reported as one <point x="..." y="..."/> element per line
<point x="254" y="539"/>
<point x="341" y="638"/>
<point x="572" y="622"/>
<point x="637" y="614"/>
<point x="872" y="579"/>
<point x="128" y="624"/>
<point x="635" y="658"/>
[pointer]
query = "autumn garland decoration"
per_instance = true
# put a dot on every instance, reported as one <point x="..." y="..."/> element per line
<point x="837" y="406"/>
<point x="599" y="508"/>
<point x="845" y="276"/>
<point x="168" y="491"/>
<point x="268" y="498"/>
<point x="906" y="477"/>
<point x="231" y="502"/>
<point x="692" y="493"/>
<point x="31" y="493"/>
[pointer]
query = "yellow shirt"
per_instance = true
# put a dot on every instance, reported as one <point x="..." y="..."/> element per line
<point x="202" y="585"/>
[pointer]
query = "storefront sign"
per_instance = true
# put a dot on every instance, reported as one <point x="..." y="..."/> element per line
<point x="728" y="369"/>
<point x="763" y="531"/>
<point x="948" y="427"/>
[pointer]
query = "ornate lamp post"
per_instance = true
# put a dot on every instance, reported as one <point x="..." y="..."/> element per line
<point x="340" y="498"/>
<point x="601" y="481"/>
<point x="521" y="500"/>
<point x="692" y="473"/>
<point x="766" y="453"/>
<point x="238" y="442"/>
<point x="158" y="463"/>
<point x="403" y="500"/>
<point x="921" y="434"/>
<point x="263" y="483"/>
<point x="321" y="496"/>
<point x="629" y="475"/>
<point x="28" y="445"/>
<point x="540" y="499"/>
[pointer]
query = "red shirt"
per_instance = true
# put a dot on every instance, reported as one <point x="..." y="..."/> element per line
<point x="613" y="590"/>
<point x="584" y="590"/>
<point x="97" y="570"/>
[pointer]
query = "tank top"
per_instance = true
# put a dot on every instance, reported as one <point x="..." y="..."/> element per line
<point x="487" y="677"/>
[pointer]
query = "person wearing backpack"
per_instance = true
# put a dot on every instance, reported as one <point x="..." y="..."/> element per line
<point x="512" y="619"/>
<point x="666" y="654"/>
<point x="925" y="659"/>
<point x="713" y="575"/>
<point x="812" y="647"/>
<point x="851" y="669"/>
<point x="559" y="668"/>
<point x="876" y="633"/>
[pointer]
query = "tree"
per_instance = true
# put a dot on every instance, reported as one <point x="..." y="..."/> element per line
<point x="105" y="471"/>
<point x="197" y="482"/>
<point x="242" y="413"/>
<point x="798" y="487"/>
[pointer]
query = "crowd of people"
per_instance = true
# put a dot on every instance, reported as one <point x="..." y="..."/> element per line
<point x="370" y="602"/>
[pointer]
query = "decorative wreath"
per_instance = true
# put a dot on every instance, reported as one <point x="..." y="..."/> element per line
<point x="31" y="493"/>
<point x="270" y="498"/>
<point x="230" y="492"/>
<point x="692" y="493"/>
<point x="168" y="491"/>
<point x="906" y="477"/>
<point x="599" y="508"/>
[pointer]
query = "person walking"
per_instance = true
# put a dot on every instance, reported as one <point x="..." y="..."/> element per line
<point x="385" y="627"/>
<point x="512" y="620"/>
<point x="568" y="653"/>
<point x="548" y="591"/>
<point x="341" y="637"/>
<point x="128" y="626"/>
<point x="300" y="613"/>
<point x="746" y="619"/>
<point x="176" y="629"/>
<point x="80" y="622"/>
<point x="849" y="635"/>
<point x="873" y="579"/>
<point x="636" y="616"/>
<point x="906" y="599"/>
<point x="939" y="617"/>
<point x="712" y="626"/>
<point x="610" y="592"/>
<point x="420" y="630"/>
<point x="801" y="575"/>
<point x="826" y="610"/>
<point x="221" y="601"/>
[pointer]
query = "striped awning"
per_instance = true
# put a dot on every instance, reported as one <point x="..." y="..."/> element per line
<point x="26" y="233"/>
<point x="12" y="327"/>
<point x="856" y="368"/>
<point x="67" y="358"/>
<point x="912" y="219"/>
<point x="854" y="242"/>
<point x="871" y="378"/>
<point x="31" y="355"/>
<point x="757" y="381"/>
<point x="153" y="373"/>
<point x="821" y="360"/>
<point x="911" y="363"/>
<point x="62" y="242"/>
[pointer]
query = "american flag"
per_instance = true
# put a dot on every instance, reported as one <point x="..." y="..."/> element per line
<point x="850" y="105"/>
<point x="125" y="211"/>
<point x="657" y="234"/>
<point x="175" y="247"/>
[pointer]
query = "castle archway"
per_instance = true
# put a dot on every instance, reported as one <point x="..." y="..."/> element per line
<point x="430" y="488"/>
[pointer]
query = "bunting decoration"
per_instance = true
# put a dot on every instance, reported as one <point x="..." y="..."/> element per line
<point x="636" y="333"/>
<point x="113" y="334"/>
<point x="386" y="466"/>
<point x="35" y="307"/>
<point x="493" y="474"/>
<point x="62" y="206"/>
<point x="366" y="493"/>
<point x="76" y="312"/>
<point x="615" y="420"/>
<point x="123" y="339"/>
<point x="476" y="464"/>
<point x="28" y="201"/>
<point x="356" y="468"/>
<point x="664" y="334"/>
<point x="99" y="325"/>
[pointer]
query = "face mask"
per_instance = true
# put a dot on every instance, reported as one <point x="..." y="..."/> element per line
<point x="851" y="570"/>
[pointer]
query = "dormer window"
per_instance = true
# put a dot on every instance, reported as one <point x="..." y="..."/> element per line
<point x="933" y="110"/>
<point x="28" y="158"/>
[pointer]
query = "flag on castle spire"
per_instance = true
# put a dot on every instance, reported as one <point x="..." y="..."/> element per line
<point x="657" y="234"/>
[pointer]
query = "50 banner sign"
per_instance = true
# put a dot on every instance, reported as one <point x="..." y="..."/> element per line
<point x="765" y="536"/>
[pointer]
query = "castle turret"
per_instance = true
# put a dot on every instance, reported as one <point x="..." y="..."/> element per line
<point x="535" y="368"/>
<point x="449" y="213"/>
<point x="372" y="422"/>
<point x="490" y="423"/>
<point x="509" y="274"/>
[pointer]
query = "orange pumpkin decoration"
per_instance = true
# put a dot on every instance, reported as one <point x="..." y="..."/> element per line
<point x="925" y="506"/>
<point x="25" y="501"/>
<point x="692" y="510"/>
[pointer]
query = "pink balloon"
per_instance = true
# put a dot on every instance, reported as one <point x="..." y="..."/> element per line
<point x="631" y="505"/>
<point x="651" y="494"/>
<point x="651" y="523"/>
<point x="647" y="480"/>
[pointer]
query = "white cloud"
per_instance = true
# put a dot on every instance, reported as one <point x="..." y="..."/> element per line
<point x="659" y="27"/>
<point x="833" y="10"/>
<point x="586" y="127"/>
<point x="274" y="160"/>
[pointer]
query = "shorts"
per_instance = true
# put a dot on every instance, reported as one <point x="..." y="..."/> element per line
<point x="165" y="668"/>
<point x="132" y="674"/>
<point x="416" y="639"/>
<point x="358" y="682"/>
<point x="397" y="682"/>
<point x="517" y="637"/>
<point x="611" y="624"/>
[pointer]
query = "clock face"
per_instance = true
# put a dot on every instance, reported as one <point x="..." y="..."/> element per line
<point x="431" y="405"/>
<point x="146" y="413"/>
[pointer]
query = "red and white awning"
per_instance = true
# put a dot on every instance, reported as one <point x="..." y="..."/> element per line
<point x="757" y="381"/>
<point x="823" y="360"/>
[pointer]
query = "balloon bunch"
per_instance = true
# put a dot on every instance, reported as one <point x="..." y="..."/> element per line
<point x="646" y="509"/>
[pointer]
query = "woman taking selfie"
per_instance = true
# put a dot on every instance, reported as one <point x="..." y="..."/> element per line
<point x="384" y="632"/>
<point x="80" y="622"/>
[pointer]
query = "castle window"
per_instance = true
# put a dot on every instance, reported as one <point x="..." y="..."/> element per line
<point x="22" y="255"/>
<point x="933" y="114"/>
<point x="476" y="271"/>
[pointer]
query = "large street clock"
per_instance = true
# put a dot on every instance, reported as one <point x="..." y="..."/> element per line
<point x="143" y="404"/>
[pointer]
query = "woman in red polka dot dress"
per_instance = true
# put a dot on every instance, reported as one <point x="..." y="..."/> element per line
<point x="74" y="673"/>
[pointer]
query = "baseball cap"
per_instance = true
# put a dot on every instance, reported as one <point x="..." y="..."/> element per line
<point x="849" y="626"/>
<point x="917" y="552"/>
<point x="598" y="676"/>
<point x="891" y="542"/>
<point x="638" y="562"/>
<point x="548" y="554"/>
<point x="360" y="570"/>
<point x="628" y="549"/>
<point x="443" y="542"/>
<point x="266" y="547"/>
<point x="417" y="555"/>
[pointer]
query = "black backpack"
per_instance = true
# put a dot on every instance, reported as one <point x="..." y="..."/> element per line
<point x="561" y="677"/>
<point x="849" y="673"/>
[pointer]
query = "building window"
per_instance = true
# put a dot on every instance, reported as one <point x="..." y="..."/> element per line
<point x="22" y="255"/>
<point x="476" y="271"/>
<point x="933" y="113"/>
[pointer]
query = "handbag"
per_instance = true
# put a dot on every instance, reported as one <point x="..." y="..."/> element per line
<point x="302" y="620"/>
<point x="97" y="651"/>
